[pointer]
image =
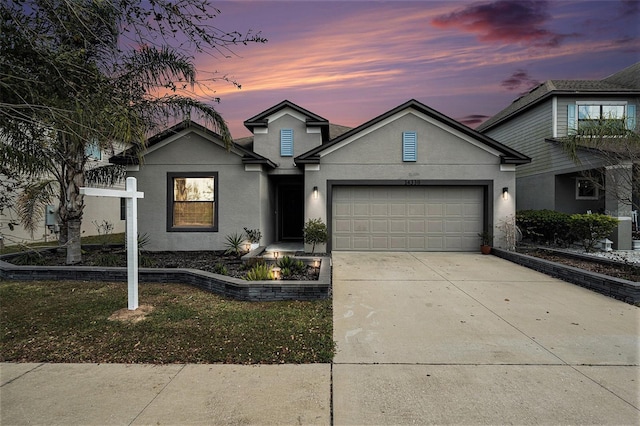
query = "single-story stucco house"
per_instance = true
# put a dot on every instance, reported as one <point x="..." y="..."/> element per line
<point x="410" y="179"/>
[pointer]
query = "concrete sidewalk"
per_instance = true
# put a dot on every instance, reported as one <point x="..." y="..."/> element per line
<point x="422" y="338"/>
<point x="118" y="394"/>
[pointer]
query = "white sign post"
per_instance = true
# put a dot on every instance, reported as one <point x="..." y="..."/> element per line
<point x="131" y="197"/>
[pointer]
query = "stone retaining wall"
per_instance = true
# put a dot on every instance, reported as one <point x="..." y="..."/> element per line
<point x="618" y="288"/>
<point x="219" y="284"/>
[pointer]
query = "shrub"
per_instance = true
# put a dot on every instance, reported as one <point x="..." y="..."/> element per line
<point x="108" y="259"/>
<point x="591" y="228"/>
<point x="253" y="235"/>
<point x="220" y="269"/>
<point x="291" y="265"/>
<point x="315" y="232"/>
<point x="259" y="272"/>
<point x="544" y="226"/>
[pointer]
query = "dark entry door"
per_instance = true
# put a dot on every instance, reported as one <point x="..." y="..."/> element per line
<point x="291" y="212"/>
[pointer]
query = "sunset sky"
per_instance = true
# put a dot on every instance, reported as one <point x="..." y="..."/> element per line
<point x="349" y="61"/>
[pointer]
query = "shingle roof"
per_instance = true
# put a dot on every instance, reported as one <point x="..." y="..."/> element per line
<point x="623" y="82"/>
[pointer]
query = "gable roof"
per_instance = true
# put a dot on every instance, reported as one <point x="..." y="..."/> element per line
<point x="131" y="156"/>
<point x="625" y="82"/>
<point x="262" y="119"/>
<point x="335" y="130"/>
<point x="507" y="155"/>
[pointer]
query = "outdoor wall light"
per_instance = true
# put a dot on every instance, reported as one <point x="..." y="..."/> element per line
<point x="315" y="192"/>
<point x="505" y="193"/>
<point x="275" y="255"/>
<point x="316" y="263"/>
<point x="247" y="247"/>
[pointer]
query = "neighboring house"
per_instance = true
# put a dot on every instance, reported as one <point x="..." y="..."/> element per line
<point x="410" y="179"/>
<point x="97" y="210"/>
<point x="535" y="123"/>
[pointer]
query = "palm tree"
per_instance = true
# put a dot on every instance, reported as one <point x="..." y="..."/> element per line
<point x="67" y="84"/>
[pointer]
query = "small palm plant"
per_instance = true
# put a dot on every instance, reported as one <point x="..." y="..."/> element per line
<point x="234" y="244"/>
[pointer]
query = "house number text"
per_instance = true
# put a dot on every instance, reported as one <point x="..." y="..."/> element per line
<point x="412" y="182"/>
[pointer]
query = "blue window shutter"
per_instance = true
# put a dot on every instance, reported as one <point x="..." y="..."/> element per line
<point x="286" y="142"/>
<point x="631" y="117"/>
<point x="409" y="146"/>
<point x="572" y="122"/>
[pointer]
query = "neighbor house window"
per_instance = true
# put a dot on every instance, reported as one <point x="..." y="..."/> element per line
<point x="286" y="142"/>
<point x="192" y="202"/>
<point x="586" y="189"/>
<point x="92" y="150"/>
<point x="585" y="115"/>
<point x="409" y="146"/>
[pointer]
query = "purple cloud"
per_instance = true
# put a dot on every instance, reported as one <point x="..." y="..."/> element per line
<point x="504" y="21"/>
<point x="472" y="120"/>
<point x="520" y="79"/>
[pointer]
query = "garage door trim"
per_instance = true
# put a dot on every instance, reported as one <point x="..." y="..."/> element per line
<point x="486" y="185"/>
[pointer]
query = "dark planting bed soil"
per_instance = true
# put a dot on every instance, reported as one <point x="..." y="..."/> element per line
<point x="600" y="266"/>
<point x="210" y="261"/>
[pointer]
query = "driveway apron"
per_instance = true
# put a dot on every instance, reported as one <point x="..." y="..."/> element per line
<point x="464" y="338"/>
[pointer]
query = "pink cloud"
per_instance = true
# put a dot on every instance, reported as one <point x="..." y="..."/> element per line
<point x="504" y="21"/>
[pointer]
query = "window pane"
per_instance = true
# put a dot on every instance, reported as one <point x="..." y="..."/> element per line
<point x="193" y="202"/>
<point x="193" y="189"/>
<point x="588" y="112"/>
<point x="193" y="213"/>
<point x="610" y="112"/>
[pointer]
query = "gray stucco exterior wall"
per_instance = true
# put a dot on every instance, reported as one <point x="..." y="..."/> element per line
<point x="240" y="193"/>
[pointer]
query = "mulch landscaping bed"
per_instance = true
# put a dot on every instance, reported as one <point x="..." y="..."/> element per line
<point x="210" y="261"/>
<point x="612" y="269"/>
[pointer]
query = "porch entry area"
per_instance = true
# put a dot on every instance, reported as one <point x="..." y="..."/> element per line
<point x="289" y="215"/>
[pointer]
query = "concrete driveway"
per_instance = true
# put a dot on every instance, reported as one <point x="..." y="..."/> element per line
<point x="469" y="339"/>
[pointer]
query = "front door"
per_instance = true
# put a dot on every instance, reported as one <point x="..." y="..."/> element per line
<point x="290" y="212"/>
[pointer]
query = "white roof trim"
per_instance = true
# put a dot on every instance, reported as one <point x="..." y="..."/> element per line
<point x="287" y="111"/>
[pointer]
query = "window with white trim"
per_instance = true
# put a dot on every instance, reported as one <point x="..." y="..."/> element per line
<point x="409" y="146"/>
<point x="590" y="114"/>
<point x="191" y="202"/>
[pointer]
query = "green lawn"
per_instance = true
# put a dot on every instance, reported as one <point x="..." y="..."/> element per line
<point x="67" y="321"/>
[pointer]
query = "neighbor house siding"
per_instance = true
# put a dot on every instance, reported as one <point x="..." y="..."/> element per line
<point x="527" y="134"/>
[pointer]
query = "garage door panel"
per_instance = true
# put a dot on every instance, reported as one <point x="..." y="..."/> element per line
<point x="416" y="226"/>
<point x="396" y="225"/>
<point x="397" y="209"/>
<point x="378" y="209"/>
<point x="379" y="226"/>
<point x="361" y="225"/>
<point x="361" y="209"/>
<point x="342" y="225"/>
<point x="421" y="218"/>
<point x="379" y="242"/>
<point x="416" y="209"/>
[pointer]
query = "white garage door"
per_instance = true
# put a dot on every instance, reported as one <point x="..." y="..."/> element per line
<point x="398" y="218"/>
